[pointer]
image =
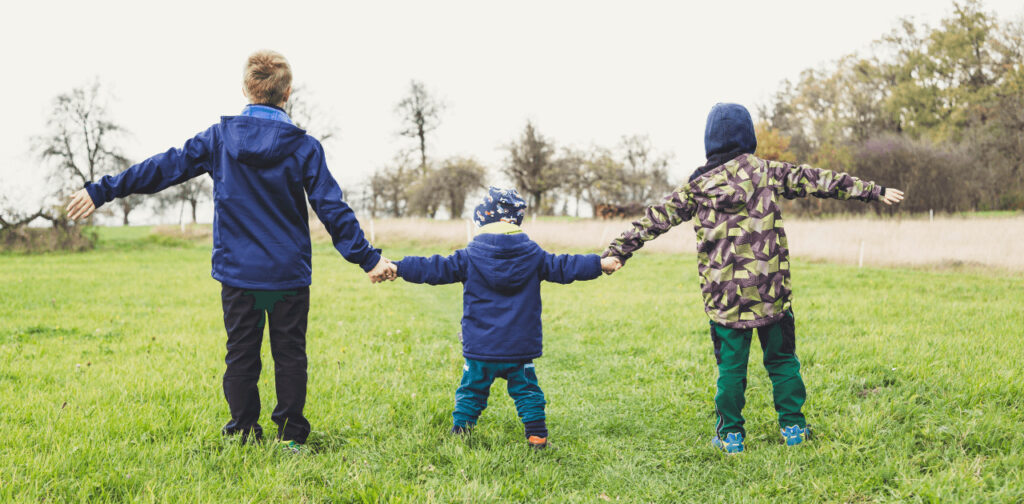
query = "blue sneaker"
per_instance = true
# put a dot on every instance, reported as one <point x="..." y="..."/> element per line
<point x="733" y="443"/>
<point x="794" y="435"/>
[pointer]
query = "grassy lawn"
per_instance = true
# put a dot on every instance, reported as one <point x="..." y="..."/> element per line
<point x="111" y="363"/>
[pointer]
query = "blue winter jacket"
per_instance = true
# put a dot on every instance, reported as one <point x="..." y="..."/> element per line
<point x="501" y="277"/>
<point x="262" y="170"/>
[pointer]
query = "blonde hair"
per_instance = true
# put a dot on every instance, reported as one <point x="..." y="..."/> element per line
<point x="267" y="77"/>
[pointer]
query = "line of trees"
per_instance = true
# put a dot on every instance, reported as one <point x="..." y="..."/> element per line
<point x="936" y="110"/>
<point x="414" y="184"/>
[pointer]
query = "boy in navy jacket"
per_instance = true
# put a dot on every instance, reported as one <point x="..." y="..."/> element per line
<point x="262" y="168"/>
<point x="501" y="271"/>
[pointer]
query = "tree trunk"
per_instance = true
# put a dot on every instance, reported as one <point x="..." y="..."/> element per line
<point x="458" y="205"/>
<point x="536" y="200"/>
<point x="423" y="151"/>
<point x="194" y="204"/>
<point x="124" y="216"/>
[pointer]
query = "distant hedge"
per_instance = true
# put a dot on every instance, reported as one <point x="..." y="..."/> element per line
<point x="59" y="237"/>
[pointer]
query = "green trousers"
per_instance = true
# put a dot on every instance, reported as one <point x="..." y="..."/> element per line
<point x="732" y="350"/>
<point x="477" y="377"/>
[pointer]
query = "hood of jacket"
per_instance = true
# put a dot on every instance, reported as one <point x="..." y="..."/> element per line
<point x="260" y="142"/>
<point x="505" y="261"/>
<point x="729" y="132"/>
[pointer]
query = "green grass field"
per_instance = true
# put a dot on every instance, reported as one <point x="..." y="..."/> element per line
<point x="111" y="363"/>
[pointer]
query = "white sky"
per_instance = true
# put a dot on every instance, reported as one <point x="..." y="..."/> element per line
<point x="586" y="72"/>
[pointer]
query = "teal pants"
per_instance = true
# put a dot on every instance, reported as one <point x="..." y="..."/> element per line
<point x="477" y="377"/>
<point x="732" y="351"/>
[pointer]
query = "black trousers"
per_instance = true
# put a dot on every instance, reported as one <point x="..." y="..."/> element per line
<point x="246" y="313"/>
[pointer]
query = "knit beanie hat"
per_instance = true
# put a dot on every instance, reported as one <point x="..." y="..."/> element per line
<point x="500" y="205"/>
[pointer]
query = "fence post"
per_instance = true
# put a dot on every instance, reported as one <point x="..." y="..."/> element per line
<point x="931" y="215"/>
<point x="181" y="217"/>
<point x="469" y="230"/>
<point x="860" y="257"/>
<point x="373" y="234"/>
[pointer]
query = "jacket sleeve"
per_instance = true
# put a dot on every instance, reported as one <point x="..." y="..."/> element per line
<point x="158" y="172"/>
<point x="567" y="268"/>
<point x="792" y="181"/>
<point x="434" y="270"/>
<point x="326" y="199"/>
<point x="676" y="209"/>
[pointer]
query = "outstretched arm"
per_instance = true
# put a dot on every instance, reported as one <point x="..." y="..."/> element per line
<point x="567" y="268"/>
<point x="792" y="181"/>
<point x="676" y="209"/>
<point x="434" y="270"/>
<point x="326" y="199"/>
<point x="150" y="176"/>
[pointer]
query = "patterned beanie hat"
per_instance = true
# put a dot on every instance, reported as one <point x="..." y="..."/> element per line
<point x="500" y="205"/>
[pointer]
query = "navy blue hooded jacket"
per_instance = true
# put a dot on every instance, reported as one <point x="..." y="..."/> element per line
<point x="729" y="132"/>
<point x="262" y="170"/>
<point x="501" y="275"/>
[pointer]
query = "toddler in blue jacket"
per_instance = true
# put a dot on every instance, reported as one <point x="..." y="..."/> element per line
<point x="262" y="167"/>
<point x="501" y="271"/>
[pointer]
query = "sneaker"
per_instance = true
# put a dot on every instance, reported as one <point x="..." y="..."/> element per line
<point x="733" y="443"/>
<point x="292" y="447"/>
<point x="537" y="442"/>
<point x="794" y="435"/>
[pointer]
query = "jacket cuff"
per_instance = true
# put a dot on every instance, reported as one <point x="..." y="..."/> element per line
<point x="371" y="260"/>
<point x="593" y="266"/>
<point x="881" y="194"/>
<point x="94" y="194"/>
<point x="876" y="193"/>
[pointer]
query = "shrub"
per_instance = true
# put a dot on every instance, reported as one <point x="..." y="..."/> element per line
<point x="62" y="236"/>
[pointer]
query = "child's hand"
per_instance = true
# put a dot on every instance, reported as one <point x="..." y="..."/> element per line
<point x="892" y="196"/>
<point x="81" y="205"/>
<point x="610" y="265"/>
<point x="384" y="270"/>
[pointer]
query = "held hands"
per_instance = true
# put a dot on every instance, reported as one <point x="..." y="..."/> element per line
<point x="81" y="205"/>
<point x="892" y="196"/>
<point x="610" y="265"/>
<point x="384" y="270"/>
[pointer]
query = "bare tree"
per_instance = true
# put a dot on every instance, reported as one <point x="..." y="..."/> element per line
<point x="459" y="177"/>
<point x="389" y="188"/>
<point x="531" y="165"/>
<point x="195" y="191"/>
<point x="80" y="137"/>
<point x="420" y="114"/>
<point x="191" y="192"/>
<point x="646" y="170"/>
<point x="426" y="194"/>
<point x="127" y="204"/>
<point x="607" y="180"/>
<point x="578" y="178"/>
<point x="306" y="114"/>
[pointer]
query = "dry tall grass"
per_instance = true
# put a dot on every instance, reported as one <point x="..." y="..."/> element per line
<point x="948" y="241"/>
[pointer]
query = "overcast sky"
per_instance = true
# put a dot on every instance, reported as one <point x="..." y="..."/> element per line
<point x="586" y="72"/>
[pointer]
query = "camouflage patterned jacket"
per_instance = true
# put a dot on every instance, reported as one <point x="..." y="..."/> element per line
<point x="742" y="253"/>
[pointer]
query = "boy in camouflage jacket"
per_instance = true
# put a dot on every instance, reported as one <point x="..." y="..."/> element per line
<point x="743" y="261"/>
